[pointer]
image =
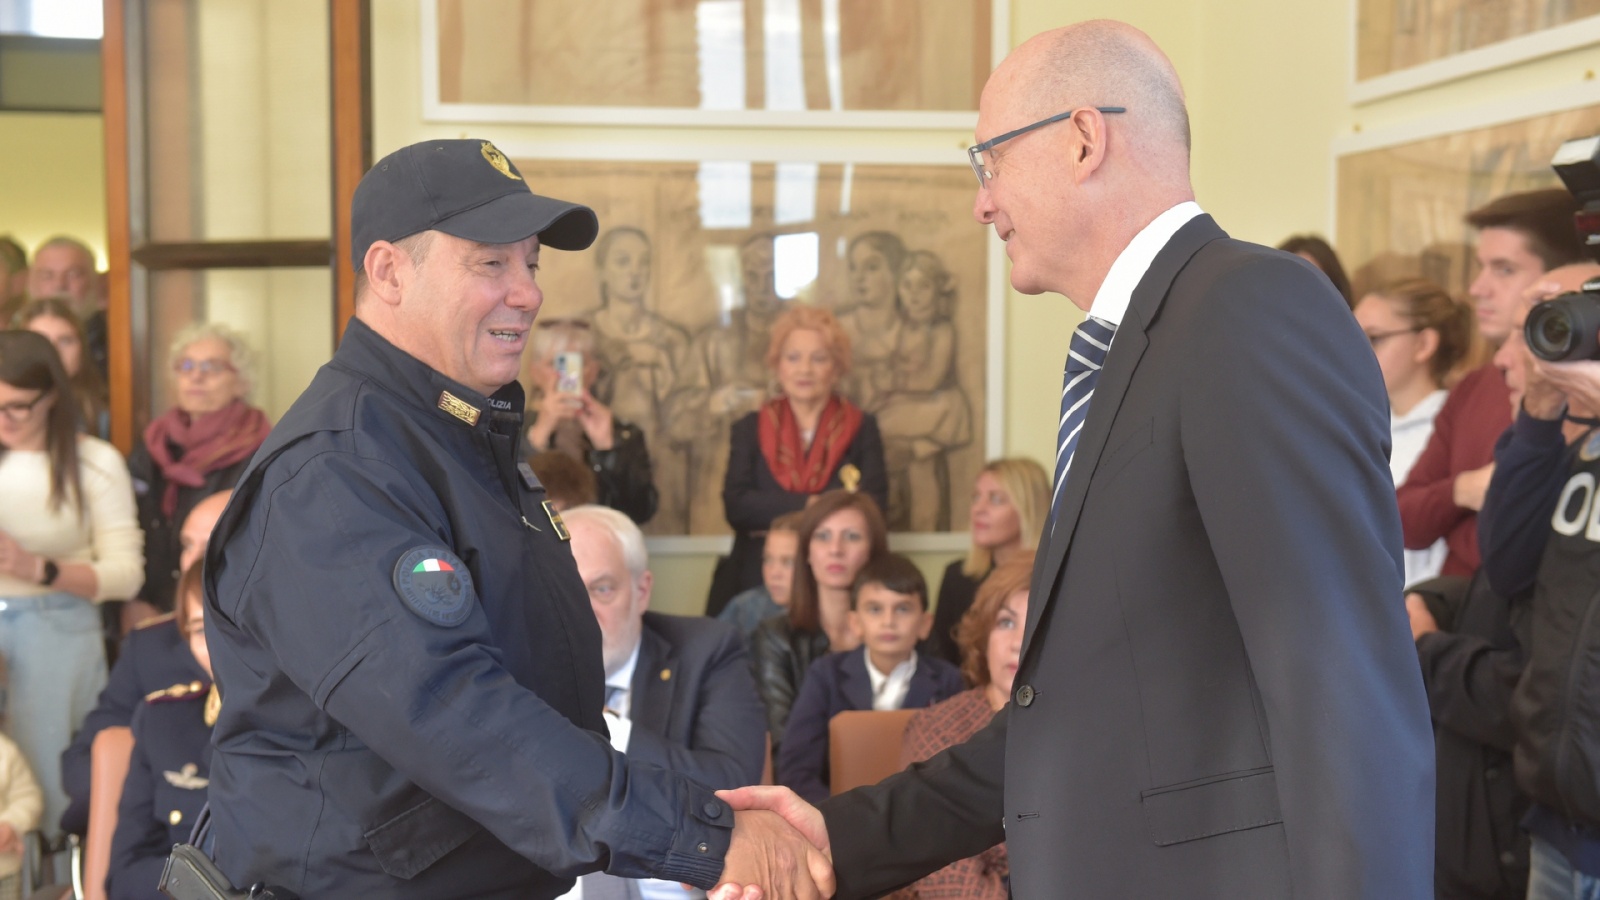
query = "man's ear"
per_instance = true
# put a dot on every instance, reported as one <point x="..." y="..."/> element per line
<point x="1088" y="142"/>
<point x="386" y="265"/>
<point x="855" y="625"/>
<point x="925" y="626"/>
<point x="641" y="587"/>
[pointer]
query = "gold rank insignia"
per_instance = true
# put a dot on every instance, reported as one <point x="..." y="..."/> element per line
<point x="459" y="408"/>
<point x="850" y="477"/>
<point x="187" y="778"/>
<point x="499" y="161"/>
<point x="176" y="692"/>
<point x="213" y="705"/>
<point x="555" y="521"/>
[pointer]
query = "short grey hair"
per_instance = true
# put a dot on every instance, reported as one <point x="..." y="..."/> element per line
<point x="239" y="353"/>
<point x="630" y="540"/>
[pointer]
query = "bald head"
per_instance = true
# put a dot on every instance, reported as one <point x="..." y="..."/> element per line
<point x="197" y="528"/>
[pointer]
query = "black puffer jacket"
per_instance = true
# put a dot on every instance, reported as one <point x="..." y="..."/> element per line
<point x="780" y="656"/>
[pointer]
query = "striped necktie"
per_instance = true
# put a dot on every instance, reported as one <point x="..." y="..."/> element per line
<point x="1086" y="354"/>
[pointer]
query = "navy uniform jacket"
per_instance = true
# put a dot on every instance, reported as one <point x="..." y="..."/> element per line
<point x="154" y="655"/>
<point x="165" y="790"/>
<point x="411" y="667"/>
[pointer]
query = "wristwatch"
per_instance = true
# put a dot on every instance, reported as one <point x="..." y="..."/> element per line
<point x="51" y="573"/>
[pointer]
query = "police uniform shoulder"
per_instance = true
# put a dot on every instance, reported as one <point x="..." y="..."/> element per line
<point x="156" y="620"/>
<point x="183" y="690"/>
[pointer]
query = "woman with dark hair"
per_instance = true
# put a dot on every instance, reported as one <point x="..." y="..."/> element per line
<point x="841" y="532"/>
<point x="167" y="774"/>
<point x="990" y="636"/>
<point x="196" y="448"/>
<point x="1319" y="253"/>
<point x="54" y="318"/>
<point x="805" y="440"/>
<point x="68" y="539"/>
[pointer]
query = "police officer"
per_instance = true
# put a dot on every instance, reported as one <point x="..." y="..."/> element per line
<point x="410" y="669"/>
<point x="166" y="784"/>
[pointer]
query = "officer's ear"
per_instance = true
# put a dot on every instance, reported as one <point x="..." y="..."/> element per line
<point x="383" y="264"/>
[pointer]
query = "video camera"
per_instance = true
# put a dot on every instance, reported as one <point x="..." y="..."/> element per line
<point x="1568" y="327"/>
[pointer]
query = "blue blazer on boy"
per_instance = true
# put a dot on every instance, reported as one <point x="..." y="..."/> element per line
<point x="836" y="683"/>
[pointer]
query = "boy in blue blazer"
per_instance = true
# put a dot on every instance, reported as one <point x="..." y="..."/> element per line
<point x="889" y="611"/>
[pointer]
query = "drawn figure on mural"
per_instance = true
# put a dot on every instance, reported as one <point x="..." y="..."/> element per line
<point x="640" y="354"/>
<point x="872" y="318"/>
<point x="723" y="377"/>
<point x="924" y="413"/>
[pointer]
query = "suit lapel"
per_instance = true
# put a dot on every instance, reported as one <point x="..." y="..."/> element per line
<point x="1126" y="349"/>
<point x="853" y="680"/>
<point x="652" y="694"/>
<point x="920" y="691"/>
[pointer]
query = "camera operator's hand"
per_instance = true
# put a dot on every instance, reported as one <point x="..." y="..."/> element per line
<point x="1578" y="381"/>
<point x="1548" y="388"/>
<point x="1422" y="621"/>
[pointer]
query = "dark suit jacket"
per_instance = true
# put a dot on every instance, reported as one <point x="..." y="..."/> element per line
<point x="752" y="498"/>
<point x="835" y="683"/>
<point x="694" y="705"/>
<point x="1218" y="694"/>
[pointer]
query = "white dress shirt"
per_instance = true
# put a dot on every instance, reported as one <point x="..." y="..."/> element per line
<point x="889" y="689"/>
<point x="1409" y="436"/>
<point x="1111" y="302"/>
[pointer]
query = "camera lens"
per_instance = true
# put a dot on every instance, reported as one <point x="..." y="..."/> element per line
<point x="1564" y="328"/>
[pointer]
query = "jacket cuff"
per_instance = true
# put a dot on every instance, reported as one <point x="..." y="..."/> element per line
<point x="1540" y="432"/>
<point x="699" y="848"/>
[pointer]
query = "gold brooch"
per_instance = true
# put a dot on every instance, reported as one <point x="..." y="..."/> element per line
<point x="850" y="477"/>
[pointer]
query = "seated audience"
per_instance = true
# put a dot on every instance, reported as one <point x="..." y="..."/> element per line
<point x="153" y="656"/>
<point x="1520" y="237"/>
<point x="758" y="604"/>
<point x="567" y="482"/>
<point x="1420" y="334"/>
<point x="839" y="533"/>
<point x="69" y="539"/>
<point x="565" y="417"/>
<point x="21" y="804"/>
<point x="167" y="773"/>
<point x="679" y="692"/>
<point x="990" y="638"/>
<point x="53" y="318"/>
<point x="195" y="449"/>
<point x="65" y="267"/>
<point x="13" y="277"/>
<point x="1538" y="537"/>
<point x="1315" y="250"/>
<point x="806" y="440"/>
<point x="1010" y="502"/>
<point x="889" y="611"/>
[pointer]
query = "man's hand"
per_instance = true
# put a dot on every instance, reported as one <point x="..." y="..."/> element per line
<point x="769" y="859"/>
<point x="1579" y="381"/>
<point x="1471" y="486"/>
<point x="800" y="816"/>
<point x="1422" y="621"/>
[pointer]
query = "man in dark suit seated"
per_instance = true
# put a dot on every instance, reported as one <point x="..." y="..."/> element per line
<point x="1218" y="696"/>
<point x="679" y="692"/>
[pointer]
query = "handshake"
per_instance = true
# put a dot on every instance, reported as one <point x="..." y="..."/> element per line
<point x="779" y="848"/>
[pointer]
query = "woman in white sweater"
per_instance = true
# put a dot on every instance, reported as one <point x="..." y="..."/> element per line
<point x="69" y="538"/>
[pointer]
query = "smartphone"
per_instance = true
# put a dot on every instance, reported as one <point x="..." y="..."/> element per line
<point x="569" y="372"/>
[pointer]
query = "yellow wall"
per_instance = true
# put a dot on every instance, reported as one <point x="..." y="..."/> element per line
<point x="52" y="178"/>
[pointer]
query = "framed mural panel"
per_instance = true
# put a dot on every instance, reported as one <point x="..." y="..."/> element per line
<point x="802" y="63"/>
<point x="696" y="259"/>
<point x="1402" y="45"/>
<point x="1401" y="206"/>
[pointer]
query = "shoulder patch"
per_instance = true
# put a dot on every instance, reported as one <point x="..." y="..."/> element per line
<point x="435" y="584"/>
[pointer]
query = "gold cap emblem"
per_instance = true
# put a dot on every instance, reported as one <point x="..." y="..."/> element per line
<point x="459" y="408"/>
<point x="499" y="161"/>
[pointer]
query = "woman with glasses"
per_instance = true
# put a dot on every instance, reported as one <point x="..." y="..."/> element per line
<point x="69" y="539"/>
<point x="54" y="318"/>
<point x="195" y="449"/>
<point x="1422" y="337"/>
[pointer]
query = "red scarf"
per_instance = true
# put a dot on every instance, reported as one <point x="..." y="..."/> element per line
<point x="206" y="443"/>
<point x="795" y="468"/>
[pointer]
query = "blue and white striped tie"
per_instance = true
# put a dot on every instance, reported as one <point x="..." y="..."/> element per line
<point x="1086" y="354"/>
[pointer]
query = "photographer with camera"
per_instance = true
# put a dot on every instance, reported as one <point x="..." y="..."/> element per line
<point x="1540" y="532"/>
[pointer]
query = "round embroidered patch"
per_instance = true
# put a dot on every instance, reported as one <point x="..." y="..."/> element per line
<point x="435" y="584"/>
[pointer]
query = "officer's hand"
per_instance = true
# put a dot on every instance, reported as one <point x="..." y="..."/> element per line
<point x="769" y="858"/>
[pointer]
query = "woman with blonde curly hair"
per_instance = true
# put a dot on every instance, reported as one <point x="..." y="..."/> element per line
<point x="806" y="440"/>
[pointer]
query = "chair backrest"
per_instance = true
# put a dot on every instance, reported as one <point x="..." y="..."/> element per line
<point x="864" y="747"/>
<point x="108" y="769"/>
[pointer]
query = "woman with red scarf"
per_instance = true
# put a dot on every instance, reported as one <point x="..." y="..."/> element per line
<point x="804" y="441"/>
<point x="195" y="449"/>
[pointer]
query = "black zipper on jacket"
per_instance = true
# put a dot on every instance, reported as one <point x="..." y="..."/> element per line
<point x="1566" y="716"/>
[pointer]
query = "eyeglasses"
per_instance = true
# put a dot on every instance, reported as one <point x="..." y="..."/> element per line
<point x="20" y="411"/>
<point x="1384" y="335"/>
<point x="975" y="152"/>
<point x="206" y="367"/>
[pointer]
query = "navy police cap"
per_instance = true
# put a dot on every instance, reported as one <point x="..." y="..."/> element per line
<point x="465" y="188"/>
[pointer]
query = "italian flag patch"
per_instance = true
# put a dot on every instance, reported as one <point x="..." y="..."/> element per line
<point x="433" y="565"/>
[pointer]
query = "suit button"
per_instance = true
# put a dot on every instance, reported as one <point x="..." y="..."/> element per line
<point x="702" y="847"/>
<point x="713" y="809"/>
<point x="1025" y="695"/>
<point x="175" y="816"/>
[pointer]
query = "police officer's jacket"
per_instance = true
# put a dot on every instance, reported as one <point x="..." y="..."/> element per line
<point x="165" y="788"/>
<point x="410" y="666"/>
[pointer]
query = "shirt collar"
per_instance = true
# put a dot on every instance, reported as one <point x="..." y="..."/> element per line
<point x="1423" y="413"/>
<point x="623" y="677"/>
<point x="903" y="671"/>
<point x="369" y="353"/>
<point x="1111" y="302"/>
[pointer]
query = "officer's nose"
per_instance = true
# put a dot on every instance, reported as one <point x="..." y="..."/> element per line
<point x="525" y="295"/>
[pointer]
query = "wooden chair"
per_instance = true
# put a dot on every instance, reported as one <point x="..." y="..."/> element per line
<point x="108" y="769"/>
<point x="864" y="747"/>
